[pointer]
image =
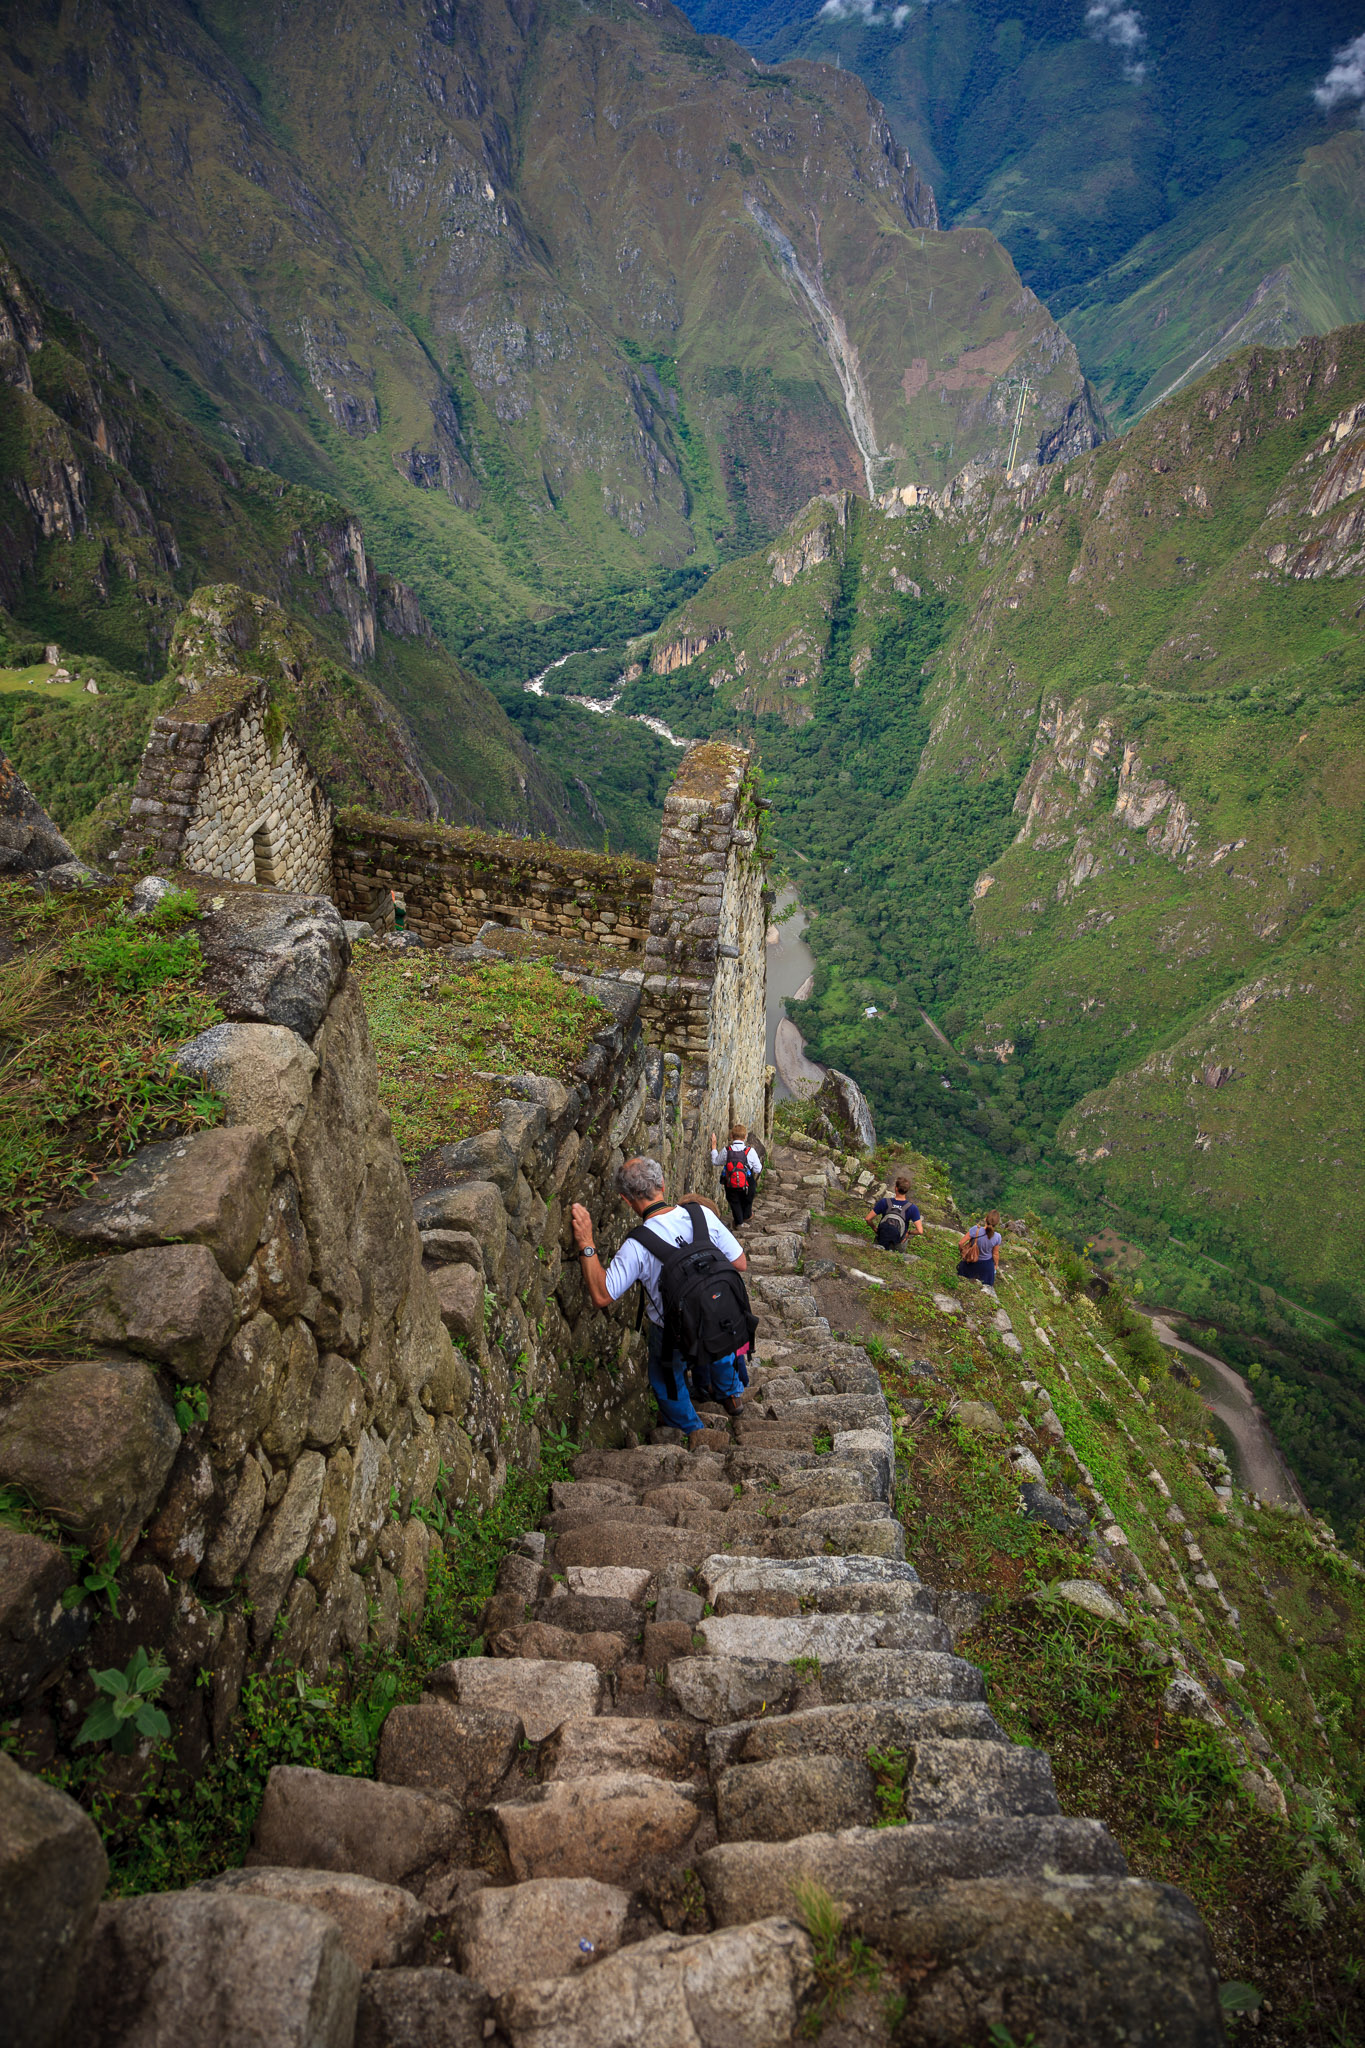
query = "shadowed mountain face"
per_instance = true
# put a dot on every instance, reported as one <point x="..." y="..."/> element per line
<point x="1160" y="172"/>
<point x="547" y="295"/>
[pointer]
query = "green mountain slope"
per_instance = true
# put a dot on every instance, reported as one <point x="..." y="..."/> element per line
<point x="1071" y="767"/>
<point x="1173" y="196"/>
<point x="1268" y="257"/>
<point x="547" y="299"/>
<point x="112" y="511"/>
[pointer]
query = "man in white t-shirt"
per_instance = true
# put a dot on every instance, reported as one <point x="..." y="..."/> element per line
<point x="640" y="1183"/>
<point x="740" y="1167"/>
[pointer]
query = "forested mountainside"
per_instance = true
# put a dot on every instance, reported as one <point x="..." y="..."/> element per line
<point x="1070" y="772"/>
<point x="547" y="296"/>
<point x="113" y="510"/>
<point x="1161" y="173"/>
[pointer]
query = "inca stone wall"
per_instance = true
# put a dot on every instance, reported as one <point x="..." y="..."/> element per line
<point x="229" y="796"/>
<point x="689" y="933"/>
<point x="706" y="964"/>
<point x="270" y="1276"/>
<point x="452" y="881"/>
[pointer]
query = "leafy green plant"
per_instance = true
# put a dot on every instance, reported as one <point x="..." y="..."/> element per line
<point x="94" y="1578"/>
<point x="127" y="1709"/>
<point x="191" y="1407"/>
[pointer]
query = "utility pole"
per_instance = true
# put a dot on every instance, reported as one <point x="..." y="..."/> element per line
<point x="1018" y="424"/>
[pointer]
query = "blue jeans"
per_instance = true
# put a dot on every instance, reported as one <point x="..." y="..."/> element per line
<point x="675" y="1409"/>
<point x="723" y="1380"/>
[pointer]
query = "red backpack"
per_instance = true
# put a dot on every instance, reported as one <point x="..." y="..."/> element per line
<point x="734" y="1173"/>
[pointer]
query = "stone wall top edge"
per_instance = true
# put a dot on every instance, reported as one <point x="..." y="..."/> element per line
<point x="205" y="712"/>
<point x="463" y="843"/>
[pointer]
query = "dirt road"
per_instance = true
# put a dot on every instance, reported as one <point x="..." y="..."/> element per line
<point x="1263" y="1469"/>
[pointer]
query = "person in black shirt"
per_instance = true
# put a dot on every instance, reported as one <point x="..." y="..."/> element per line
<point x="896" y="1216"/>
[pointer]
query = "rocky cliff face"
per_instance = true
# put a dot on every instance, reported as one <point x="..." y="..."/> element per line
<point x="567" y="292"/>
<point x="112" y="510"/>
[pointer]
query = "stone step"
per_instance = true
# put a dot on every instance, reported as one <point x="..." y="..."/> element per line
<point x="1073" y="1961"/>
<point x="615" y="1826"/>
<point x="462" y="1753"/>
<point x="787" y="1436"/>
<point x="893" y="1674"/>
<point x="676" y="1991"/>
<point x="891" y="1598"/>
<point x="944" y="1781"/>
<point x="585" y="1613"/>
<point x="542" y="1693"/>
<point x="848" y="1730"/>
<point x="798" y="1795"/>
<point x="833" y="1483"/>
<point x="820" y="1635"/>
<point x="605" y="1743"/>
<point x="865" y="1530"/>
<point x="720" y="1689"/>
<point x="648" y="1547"/>
<point x="321" y="1820"/>
<point x="381" y="1924"/>
<point x="868" y="1868"/>
<point x="814" y="1574"/>
<point x="542" y="1642"/>
<point x="503" y="1932"/>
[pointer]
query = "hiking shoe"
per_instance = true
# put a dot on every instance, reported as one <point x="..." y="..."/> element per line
<point x="733" y="1404"/>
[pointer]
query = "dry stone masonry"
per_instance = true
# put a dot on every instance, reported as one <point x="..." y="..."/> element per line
<point x="695" y="1674"/>
<point x="230" y="794"/>
<point x="705" y="984"/>
<point x="342" y="1355"/>
<point x="452" y="881"/>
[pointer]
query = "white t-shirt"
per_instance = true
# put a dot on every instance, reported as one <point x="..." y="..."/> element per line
<point x="755" y="1163"/>
<point x="634" y="1263"/>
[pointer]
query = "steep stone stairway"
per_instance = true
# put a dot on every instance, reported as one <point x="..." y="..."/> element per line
<point x="721" y="1777"/>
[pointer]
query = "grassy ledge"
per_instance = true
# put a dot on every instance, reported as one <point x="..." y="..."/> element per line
<point x="93" y="1007"/>
<point x="445" y="1034"/>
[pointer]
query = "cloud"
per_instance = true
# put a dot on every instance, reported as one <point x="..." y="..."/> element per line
<point x="867" y="12"/>
<point x="1119" y="25"/>
<point x="1345" y="82"/>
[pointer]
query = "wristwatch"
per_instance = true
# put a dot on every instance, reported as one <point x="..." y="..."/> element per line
<point x="587" y="1251"/>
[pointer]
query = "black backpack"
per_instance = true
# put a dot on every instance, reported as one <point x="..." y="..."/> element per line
<point x="897" y="1214"/>
<point x="705" y="1302"/>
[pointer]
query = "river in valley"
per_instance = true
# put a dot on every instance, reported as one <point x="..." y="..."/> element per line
<point x="790" y="966"/>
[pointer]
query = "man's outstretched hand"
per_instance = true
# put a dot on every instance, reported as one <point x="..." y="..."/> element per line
<point x="582" y="1225"/>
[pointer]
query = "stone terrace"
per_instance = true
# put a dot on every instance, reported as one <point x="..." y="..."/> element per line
<point x="696" y="1676"/>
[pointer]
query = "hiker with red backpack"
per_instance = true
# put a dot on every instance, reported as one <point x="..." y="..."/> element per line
<point x="695" y="1303"/>
<point x="740" y="1167"/>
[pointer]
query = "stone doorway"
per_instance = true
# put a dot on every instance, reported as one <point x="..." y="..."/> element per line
<point x="264" y="862"/>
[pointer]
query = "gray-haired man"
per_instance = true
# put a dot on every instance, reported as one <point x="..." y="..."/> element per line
<point x="640" y="1184"/>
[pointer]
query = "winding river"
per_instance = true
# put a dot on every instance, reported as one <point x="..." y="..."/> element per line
<point x="790" y="966"/>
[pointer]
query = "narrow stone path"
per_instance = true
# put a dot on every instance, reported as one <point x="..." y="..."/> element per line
<point x="712" y="1678"/>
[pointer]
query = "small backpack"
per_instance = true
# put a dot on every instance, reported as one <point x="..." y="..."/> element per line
<point x="705" y="1302"/>
<point x="897" y="1221"/>
<point x="734" y="1172"/>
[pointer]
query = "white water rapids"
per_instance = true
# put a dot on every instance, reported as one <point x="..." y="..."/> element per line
<point x="602" y="706"/>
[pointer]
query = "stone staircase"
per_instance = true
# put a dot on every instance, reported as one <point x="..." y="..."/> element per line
<point x="711" y="1681"/>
